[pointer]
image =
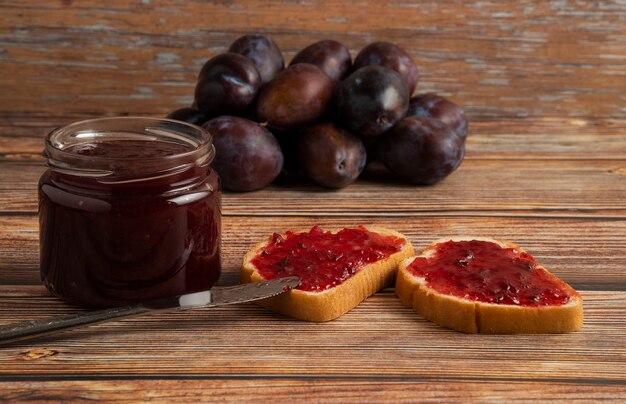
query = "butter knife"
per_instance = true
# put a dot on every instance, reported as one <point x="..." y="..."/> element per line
<point x="217" y="296"/>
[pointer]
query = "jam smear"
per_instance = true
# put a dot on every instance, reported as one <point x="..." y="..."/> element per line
<point x="483" y="271"/>
<point x="322" y="259"/>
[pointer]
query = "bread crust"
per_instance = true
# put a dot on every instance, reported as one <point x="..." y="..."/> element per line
<point x="487" y="318"/>
<point x="331" y="303"/>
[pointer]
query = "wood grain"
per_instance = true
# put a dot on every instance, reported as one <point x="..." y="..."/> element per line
<point x="499" y="59"/>
<point x="488" y="187"/>
<point x="378" y="338"/>
<point x="544" y="86"/>
<point x="589" y="254"/>
<point x="541" y="138"/>
<point x="330" y="390"/>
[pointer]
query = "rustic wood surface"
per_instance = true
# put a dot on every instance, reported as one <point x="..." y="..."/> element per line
<point x="544" y="85"/>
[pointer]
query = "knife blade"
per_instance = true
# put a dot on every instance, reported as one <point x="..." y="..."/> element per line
<point x="217" y="296"/>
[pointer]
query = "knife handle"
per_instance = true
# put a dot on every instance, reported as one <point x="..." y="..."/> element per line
<point x="44" y="326"/>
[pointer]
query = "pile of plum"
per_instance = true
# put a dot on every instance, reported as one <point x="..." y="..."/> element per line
<point x="324" y="115"/>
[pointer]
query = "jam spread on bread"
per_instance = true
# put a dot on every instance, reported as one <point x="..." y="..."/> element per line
<point x="486" y="272"/>
<point x="323" y="259"/>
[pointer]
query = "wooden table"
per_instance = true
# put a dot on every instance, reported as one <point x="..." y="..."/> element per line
<point x="543" y="84"/>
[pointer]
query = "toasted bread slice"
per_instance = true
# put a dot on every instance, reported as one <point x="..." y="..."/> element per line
<point x="330" y="303"/>
<point x="471" y="315"/>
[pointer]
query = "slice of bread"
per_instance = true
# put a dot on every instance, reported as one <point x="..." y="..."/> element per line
<point x="473" y="316"/>
<point x="328" y="304"/>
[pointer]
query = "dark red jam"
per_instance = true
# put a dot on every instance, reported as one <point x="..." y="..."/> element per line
<point x="129" y="149"/>
<point x="485" y="272"/>
<point x="149" y="229"/>
<point x="322" y="259"/>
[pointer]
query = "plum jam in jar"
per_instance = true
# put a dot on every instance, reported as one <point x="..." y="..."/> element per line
<point x="129" y="210"/>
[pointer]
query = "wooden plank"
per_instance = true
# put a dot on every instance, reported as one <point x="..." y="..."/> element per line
<point x="590" y="254"/>
<point x="379" y="338"/>
<point x="590" y="188"/>
<point x="342" y="390"/>
<point x="21" y="135"/>
<point x="543" y="84"/>
<point x="496" y="58"/>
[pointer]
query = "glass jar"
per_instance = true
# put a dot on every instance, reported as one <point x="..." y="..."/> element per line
<point x="129" y="210"/>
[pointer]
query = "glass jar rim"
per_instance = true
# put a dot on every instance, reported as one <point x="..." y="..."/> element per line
<point x="58" y="141"/>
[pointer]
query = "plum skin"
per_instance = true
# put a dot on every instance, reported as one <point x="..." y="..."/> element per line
<point x="298" y="96"/>
<point x="247" y="156"/>
<point x="392" y="56"/>
<point x="330" y="155"/>
<point x="331" y="56"/>
<point x="263" y="52"/>
<point x="227" y="84"/>
<point x="435" y="106"/>
<point x="371" y="100"/>
<point x="421" y="150"/>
